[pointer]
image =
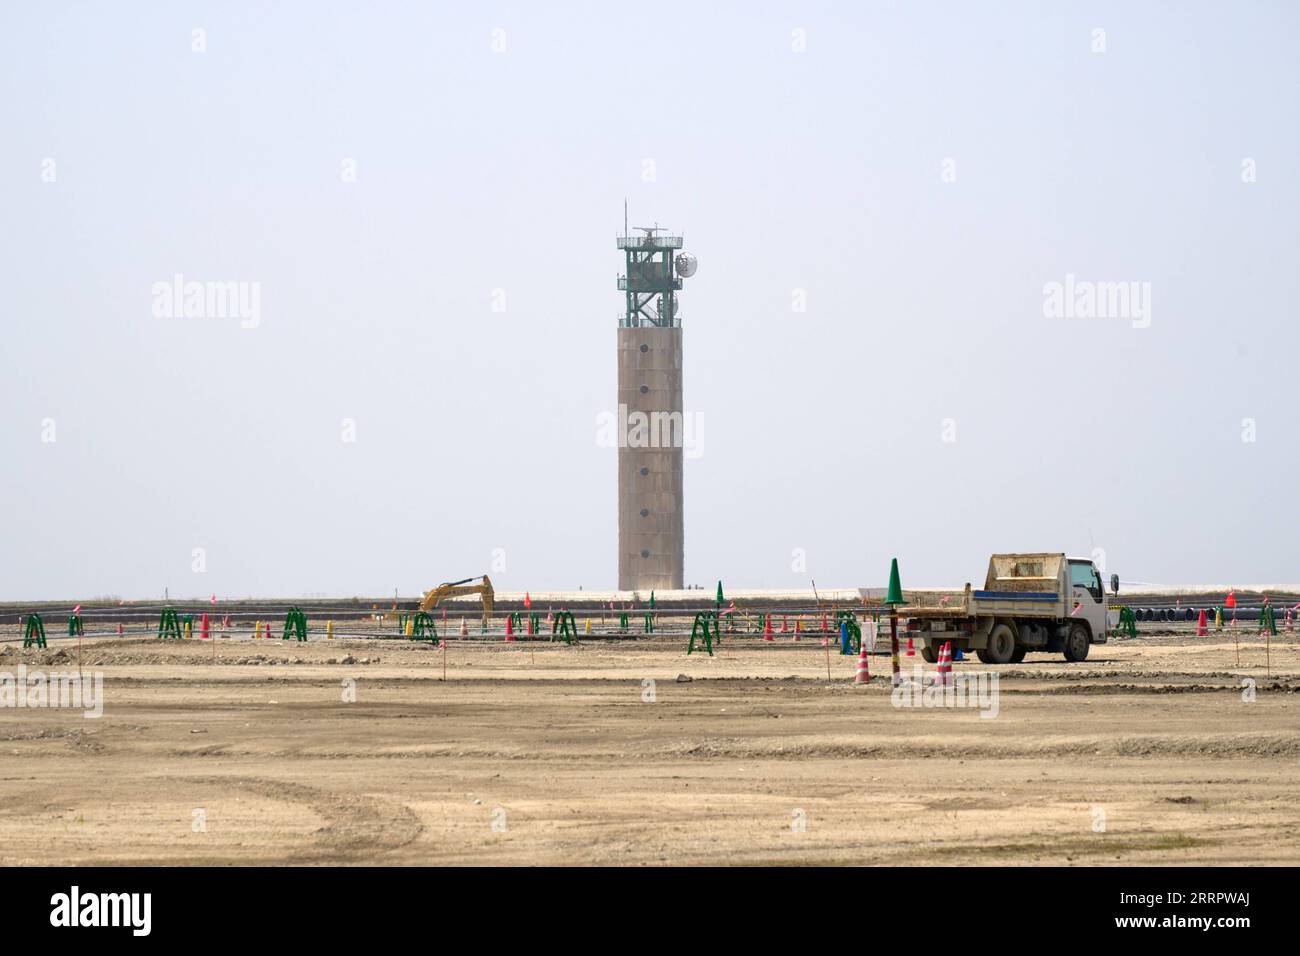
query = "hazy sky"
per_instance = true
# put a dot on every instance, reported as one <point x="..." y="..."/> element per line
<point x="426" y="197"/>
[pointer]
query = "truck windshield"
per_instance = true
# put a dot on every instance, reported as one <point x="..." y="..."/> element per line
<point x="1085" y="576"/>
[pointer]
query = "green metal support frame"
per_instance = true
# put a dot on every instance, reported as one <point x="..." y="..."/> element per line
<point x="169" y="625"/>
<point x="424" y="628"/>
<point x="565" y="628"/>
<point x="705" y="628"/>
<point x="295" y="624"/>
<point x="1266" y="620"/>
<point x="1127" y="623"/>
<point x="34" y="632"/>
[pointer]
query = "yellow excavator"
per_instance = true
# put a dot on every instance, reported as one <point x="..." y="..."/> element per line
<point x="455" y="589"/>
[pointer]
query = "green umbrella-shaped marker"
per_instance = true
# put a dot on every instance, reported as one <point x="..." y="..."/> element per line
<point x="895" y="595"/>
<point x="720" y="594"/>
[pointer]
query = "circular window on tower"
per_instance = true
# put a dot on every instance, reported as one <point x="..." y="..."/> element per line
<point x="644" y="389"/>
<point x="645" y="512"/>
<point x="645" y="554"/>
<point x="644" y="472"/>
<point x="644" y="349"/>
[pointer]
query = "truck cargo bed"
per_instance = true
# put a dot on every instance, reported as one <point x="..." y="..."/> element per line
<point x="1017" y="585"/>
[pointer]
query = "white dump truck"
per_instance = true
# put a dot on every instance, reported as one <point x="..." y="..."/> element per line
<point x="1030" y="602"/>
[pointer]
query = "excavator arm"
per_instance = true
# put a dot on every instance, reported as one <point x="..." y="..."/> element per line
<point x="458" y="588"/>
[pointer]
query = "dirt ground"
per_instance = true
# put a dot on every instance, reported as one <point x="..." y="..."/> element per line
<point x="1152" y="751"/>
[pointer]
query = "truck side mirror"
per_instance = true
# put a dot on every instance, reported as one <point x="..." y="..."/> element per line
<point x="1114" y="584"/>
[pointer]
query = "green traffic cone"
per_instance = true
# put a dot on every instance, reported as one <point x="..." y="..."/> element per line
<point x="895" y="595"/>
<point x="719" y="592"/>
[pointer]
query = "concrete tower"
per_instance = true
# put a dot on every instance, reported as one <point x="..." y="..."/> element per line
<point x="651" y="432"/>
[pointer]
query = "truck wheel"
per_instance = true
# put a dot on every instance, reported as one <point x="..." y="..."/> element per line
<point x="1002" y="645"/>
<point x="1019" y="655"/>
<point x="1076" y="643"/>
<point x="929" y="654"/>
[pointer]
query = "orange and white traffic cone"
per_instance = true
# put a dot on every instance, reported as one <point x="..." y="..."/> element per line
<point x="863" y="676"/>
<point x="510" y="628"/>
<point x="268" y="630"/>
<point x="464" y="631"/>
<point x="911" y="648"/>
<point x="767" y="628"/>
<point x="1201" y="628"/>
<point x="785" y="624"/>
<point x="943" y="673"/>
<point x="798" y="627"/>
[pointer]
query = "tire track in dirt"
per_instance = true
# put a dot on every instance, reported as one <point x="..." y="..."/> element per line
<point x="1262" y="686"/>
<point x="1215" y="745"/>
<point x="1226" y="746"/>
<point x="357" y="827"/>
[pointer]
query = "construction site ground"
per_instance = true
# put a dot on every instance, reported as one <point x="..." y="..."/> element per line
<point x="1169" y="749"/>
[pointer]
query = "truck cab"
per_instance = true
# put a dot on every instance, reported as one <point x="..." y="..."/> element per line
<point x="1089" y="598"/>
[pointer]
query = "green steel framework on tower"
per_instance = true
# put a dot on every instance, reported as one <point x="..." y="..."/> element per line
<point x="650" y="282"/>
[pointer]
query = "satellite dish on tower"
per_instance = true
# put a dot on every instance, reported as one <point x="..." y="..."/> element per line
<point x="686" y="265"/>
